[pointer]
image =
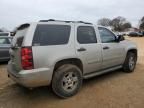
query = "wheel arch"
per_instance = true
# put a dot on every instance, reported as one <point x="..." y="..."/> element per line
<point x="74" y="61"/>
<point x="133" y="50"/>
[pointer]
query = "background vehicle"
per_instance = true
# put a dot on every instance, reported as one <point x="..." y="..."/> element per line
<point x="5" y="43"/>
<point x="121" y="33"/>
<point x="63" y="53"/>
<point x="143" y="33"/>
<point x="135" y="34"/>
<point x="124" y="33"/>
<point x="4" y="33"/>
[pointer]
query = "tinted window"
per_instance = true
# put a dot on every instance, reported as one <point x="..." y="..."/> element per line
<point x="4" y="34"/>
<point x="51" y="35"/>
<point x="106" y="35"/>
<point x="4" y="41"/>
<point x="86" y="35"/>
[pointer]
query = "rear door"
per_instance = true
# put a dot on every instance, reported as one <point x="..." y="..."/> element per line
<point x="87" y="48"/>
<point x="113" y="52"/>
<point x="4" y="48"/>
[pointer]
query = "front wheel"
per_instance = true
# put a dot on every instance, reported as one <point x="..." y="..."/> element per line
<point x="130" y="62"/>
<point x="67" y="80"/>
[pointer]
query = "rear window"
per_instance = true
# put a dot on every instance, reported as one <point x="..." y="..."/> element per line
<point x="18" y="38"/>
<point x="20" y="34"/>
<point x="4" y="34"/>
<point x="51" y="35"/>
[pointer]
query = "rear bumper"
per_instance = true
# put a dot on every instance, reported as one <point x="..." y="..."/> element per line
<point x="30" y="78"/>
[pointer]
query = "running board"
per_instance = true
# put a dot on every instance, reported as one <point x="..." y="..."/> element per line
<point x="93" y="74"/>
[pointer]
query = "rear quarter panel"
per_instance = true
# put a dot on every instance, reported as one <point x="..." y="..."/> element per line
<point x="48" y="56"/>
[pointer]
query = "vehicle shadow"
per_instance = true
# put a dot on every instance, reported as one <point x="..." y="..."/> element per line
<point x="103" y="77"/>
<point x="3" y="63"/>
<point x="45" y="93"/>
<point x="18" y="95"/>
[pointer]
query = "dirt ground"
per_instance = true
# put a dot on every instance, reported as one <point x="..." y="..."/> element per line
<point x="113" y="90"/>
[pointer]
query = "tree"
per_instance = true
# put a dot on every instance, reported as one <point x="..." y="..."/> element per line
<point x="126" y="25"/>
<point x="104" y="22"/>
<point x="1" y="30"/>
<point x="120" y="24"/>
<point x="142" y="19"/>
<point x="142" y="23"/>
<point x="142" y="26"/>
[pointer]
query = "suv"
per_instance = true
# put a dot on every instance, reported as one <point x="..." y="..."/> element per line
<point x="63" y="53"/>
<point x="5" y="44"/>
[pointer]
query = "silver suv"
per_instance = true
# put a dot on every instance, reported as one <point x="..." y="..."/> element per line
<point x="63" y="53"/>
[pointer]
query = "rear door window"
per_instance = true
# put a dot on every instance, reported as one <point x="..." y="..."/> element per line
<point x="51" y="35"/>
<point x="86" y="35"/>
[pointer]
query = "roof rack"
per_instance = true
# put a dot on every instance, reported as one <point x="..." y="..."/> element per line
<point x="84" y="22"/>
<point x="65" y="21"/>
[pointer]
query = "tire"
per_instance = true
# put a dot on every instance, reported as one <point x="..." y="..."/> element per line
<point x="67" y="80"/>
<point x="130" y="62"/>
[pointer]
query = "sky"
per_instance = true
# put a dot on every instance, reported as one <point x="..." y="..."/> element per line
<point x="16" y="12"/>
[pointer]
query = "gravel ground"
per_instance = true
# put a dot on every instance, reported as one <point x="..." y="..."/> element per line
<point x="113" y="90"/>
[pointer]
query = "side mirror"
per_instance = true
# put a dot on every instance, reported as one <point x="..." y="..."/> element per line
<point x="12" y="33"/>
<point x="120" y="38"/>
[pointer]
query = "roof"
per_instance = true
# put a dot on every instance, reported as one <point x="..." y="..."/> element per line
<point x="4" y="32"/>
<point x="53" y="20"/>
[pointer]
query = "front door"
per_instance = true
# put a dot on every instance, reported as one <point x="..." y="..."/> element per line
<point x="112" y="51"/>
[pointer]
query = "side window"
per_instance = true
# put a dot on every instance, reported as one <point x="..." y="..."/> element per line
<point x="106" y="35"/>
<point x="51" y="35"/>
<point x="86" y="35"/>
<point x="4" y="41"/>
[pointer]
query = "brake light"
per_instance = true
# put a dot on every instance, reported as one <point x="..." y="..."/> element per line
<point x="27" y="58"/>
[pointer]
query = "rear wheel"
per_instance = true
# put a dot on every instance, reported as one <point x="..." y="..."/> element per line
<point x="67" y="80"/>
<point x="130" y="62"/>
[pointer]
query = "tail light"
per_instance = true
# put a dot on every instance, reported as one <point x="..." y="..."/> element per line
<point x="27" y="58"/>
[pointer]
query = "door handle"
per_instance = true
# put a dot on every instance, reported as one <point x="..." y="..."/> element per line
<point x="106" y="47"/>
<point x="81" y="49"/>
